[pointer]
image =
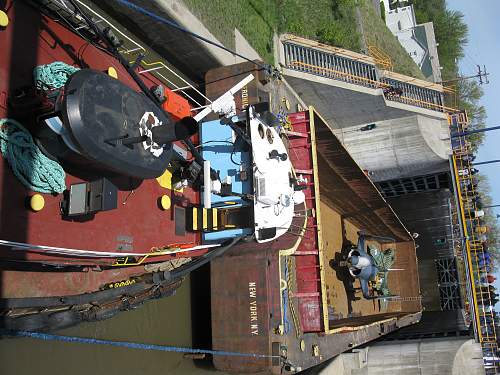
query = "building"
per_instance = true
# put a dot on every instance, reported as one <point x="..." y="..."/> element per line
<point x="417" y="39"/>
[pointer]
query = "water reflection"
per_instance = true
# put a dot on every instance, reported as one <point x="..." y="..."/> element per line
<point x="166" y="322"/>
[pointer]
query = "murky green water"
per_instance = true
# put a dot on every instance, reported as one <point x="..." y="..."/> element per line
<point x="166" y="321"/>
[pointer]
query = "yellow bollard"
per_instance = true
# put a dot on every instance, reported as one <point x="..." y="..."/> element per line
<point x="37" y="202"/>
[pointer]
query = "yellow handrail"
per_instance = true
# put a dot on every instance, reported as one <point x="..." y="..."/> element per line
<point x="373" y="83"/>
<point x="462" y="173"/>
<point x="381" y="58"/>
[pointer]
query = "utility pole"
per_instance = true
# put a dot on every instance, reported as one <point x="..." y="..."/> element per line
<point x="481" y="74"/>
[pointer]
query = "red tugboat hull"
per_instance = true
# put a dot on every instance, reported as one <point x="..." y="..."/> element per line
<point x="34" y="281"/>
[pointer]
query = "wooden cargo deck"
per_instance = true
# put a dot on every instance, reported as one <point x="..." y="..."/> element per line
<point x="343" y="304"/>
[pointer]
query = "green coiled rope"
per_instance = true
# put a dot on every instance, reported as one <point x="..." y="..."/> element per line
<point x="384" y="260"/>
<point x="52" y="76"/>
<point x="36" y="171"/>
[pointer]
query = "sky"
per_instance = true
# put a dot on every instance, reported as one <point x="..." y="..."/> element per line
<point x="483" y="48"/>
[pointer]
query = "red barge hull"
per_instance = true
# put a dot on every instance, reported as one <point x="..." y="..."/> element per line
<point x="317" y="319"/>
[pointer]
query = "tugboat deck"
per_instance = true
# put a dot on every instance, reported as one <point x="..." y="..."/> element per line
<point x="136" y="226"/>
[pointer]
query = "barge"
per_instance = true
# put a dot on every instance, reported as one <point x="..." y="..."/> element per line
<point x="153" y="188"/>
<point x="294" y="301"/>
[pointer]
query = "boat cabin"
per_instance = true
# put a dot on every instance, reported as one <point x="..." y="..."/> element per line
<point x="254" y="192"/>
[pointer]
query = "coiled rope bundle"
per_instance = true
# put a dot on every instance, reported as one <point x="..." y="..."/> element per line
<point x="36" y="171"/>
<point x="52" y="76"/>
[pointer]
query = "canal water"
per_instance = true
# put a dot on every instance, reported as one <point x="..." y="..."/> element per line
<point x="166" y="322"/>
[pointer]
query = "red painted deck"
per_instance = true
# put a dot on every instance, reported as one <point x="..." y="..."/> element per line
<point x="30" y="40"/>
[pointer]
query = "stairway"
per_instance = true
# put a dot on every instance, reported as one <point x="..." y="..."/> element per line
<point x="311" y="60"/>
<point x="346" y="66"/>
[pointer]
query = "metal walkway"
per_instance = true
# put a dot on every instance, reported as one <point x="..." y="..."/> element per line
<point x="475" y="254"/>
<point x="349" y="67"/>
<point x="130" y="48"/>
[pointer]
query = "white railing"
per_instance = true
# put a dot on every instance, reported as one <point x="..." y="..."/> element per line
<point x="131" y="47"/>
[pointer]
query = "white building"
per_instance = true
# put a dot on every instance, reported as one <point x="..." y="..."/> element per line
<point x="400" y="19"/>
<point x="418" y="40"/>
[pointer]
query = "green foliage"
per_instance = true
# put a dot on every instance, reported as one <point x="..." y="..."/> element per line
<point x="255" y="19"/>
<point x="328" y="21"/>
<point x="469" y="96"/>
<point x="382" y="10"/>
<point x="377" y="34"/>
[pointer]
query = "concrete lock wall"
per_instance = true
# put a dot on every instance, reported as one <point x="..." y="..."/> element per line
<point x="399" y="148"/>
<point x="443" y="356"/>
<point x="433" y="357"/>
<point x="344" y="104"/>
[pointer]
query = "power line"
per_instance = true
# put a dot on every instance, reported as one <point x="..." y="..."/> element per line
<point x="481" y="74"/>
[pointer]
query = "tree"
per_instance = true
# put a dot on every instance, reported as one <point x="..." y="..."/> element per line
<point x="469" y="96"/>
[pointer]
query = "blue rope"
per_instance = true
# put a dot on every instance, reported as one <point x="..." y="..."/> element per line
<point x="52" y="76"/>
<point x="36" y="171"/>
<point x="125" y="344"/>
<point x="165" y="21"/>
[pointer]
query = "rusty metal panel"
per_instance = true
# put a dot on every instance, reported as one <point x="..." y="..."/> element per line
<point x="310" y="313"/>
<point x="345" y="186"/>
<point x="220" y="80"/>
<point x="241" y="310"/>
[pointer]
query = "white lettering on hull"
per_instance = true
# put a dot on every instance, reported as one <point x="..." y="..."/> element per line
<point x="244" y="97"/>
<point x="254" y="318"/>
